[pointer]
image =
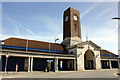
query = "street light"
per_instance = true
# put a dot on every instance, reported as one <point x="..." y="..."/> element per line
<point x="55" y="56"/>
<point x="118" y="18"/>
<point x="55" y="43"/>
<point x="7" y="55"/>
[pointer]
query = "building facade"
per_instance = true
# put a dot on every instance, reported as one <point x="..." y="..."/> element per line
<point x="72" y="54"/>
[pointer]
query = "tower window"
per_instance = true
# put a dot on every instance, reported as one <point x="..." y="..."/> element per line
<point x="75" y="27"/>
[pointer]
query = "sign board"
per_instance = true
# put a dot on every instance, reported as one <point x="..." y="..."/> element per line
<point x="49" y="60"/>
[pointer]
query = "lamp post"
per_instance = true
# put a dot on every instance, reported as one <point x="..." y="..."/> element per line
<point x="7" y="55"/>
<point x="118" y="18"/>
<point x="55" y="60"/>
<point x="55" y="43"/>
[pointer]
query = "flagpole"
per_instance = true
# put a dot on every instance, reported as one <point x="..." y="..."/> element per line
<point x="55" y="66"/>
<point x="86" y="34"/>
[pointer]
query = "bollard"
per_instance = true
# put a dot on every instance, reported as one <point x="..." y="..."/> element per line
<point x="45" y="70"/>
<point x="16" y="69"/>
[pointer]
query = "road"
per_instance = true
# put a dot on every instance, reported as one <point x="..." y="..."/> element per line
<point x="65" y="74"/>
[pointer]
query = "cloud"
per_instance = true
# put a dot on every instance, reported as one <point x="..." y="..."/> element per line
<point x="49" y="23"/>
<point x="18" y="25"/>
<point x="19" y="34"/>
<point x="105" y="35"/>
<point x="31" y="35"/>
<point x="60" y="36"/>
<point x="115" y="28"/>
<point x="90" y="9"/>
<point x="109" y="43"/>
<point x="103" y="13"/>
<point x="102" y="39"/>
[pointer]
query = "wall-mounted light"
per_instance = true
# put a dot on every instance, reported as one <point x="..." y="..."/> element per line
<point x="79" y="54"/>
<point x="97" y="55"/>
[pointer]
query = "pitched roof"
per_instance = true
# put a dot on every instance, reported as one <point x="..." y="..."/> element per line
<point x="18" y="42"/>
<point x="106" y="52"/>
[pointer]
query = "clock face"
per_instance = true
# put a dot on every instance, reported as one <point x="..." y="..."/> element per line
<point x="75" y="17"/>
<point x="66" y="18"/>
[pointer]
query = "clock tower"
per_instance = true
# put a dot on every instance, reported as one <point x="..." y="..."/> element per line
<point x="71" y="27"/>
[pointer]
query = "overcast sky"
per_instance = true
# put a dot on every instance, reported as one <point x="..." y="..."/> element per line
<point x="43" y="21"/>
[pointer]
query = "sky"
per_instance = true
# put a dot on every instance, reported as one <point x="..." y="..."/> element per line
<point x="43" y="21"/>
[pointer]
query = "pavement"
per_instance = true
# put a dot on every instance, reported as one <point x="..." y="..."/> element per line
<point x="65" y="74"/>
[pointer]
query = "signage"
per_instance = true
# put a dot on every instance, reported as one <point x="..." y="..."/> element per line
<point x="49" y="60"/>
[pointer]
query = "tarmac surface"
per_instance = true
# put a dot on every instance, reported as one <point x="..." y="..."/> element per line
<point x="105" y="73"/>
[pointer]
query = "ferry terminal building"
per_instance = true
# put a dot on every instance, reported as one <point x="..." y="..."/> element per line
<point x="72" y="54"/>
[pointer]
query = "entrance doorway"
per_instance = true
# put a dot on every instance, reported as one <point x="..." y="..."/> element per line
<point x="89" y="64"/>
<point x="89" y="60"/>
<point x="50" y="65"/>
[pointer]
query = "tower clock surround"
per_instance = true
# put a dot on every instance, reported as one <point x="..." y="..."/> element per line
<point x="71" y="27"/>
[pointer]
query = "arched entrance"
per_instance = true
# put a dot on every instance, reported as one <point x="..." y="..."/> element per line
<point x="89" y="60"/>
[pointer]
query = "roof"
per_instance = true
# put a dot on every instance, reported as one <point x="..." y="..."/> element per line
<point x="81" y="44"/>
<point x="107" y="54"/>
<point x="18" y="42"/>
